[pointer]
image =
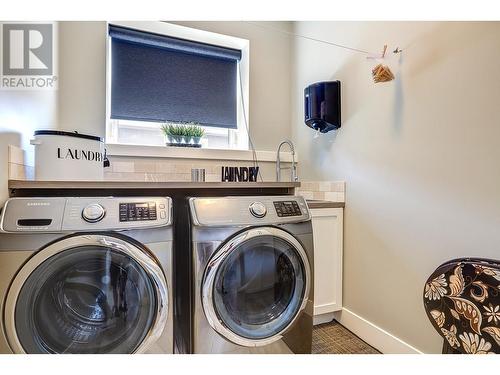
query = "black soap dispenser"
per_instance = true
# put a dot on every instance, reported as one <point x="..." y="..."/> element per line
<point x="322" y="106"/>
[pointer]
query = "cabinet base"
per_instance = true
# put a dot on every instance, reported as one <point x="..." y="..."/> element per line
<point x="323" y="318"/>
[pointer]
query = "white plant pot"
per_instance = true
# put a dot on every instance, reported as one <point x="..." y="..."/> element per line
<point x="65" y="156"/>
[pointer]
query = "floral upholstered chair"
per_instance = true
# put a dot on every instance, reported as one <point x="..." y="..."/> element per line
<point x="462" y="301"/>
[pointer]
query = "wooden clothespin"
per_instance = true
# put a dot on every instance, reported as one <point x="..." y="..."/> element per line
<point x="383" y="52"/>
<point x="382" y="73"/>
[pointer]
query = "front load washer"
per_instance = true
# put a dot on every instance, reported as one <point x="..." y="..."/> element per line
<point x="253" y="275"/>
<point x="86" y="275"/>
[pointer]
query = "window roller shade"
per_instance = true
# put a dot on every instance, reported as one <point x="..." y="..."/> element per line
<point x="174" y="44"/>
<point x="161" y="78"/>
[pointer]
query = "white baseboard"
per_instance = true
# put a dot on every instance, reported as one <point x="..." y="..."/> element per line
<point x="374" y="335"/>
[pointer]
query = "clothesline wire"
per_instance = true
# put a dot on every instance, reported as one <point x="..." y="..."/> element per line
<point x="310" y="38"/>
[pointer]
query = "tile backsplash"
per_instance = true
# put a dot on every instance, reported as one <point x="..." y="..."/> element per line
<point x="323" y="190"/>
<point x="172" y="169"/>
<point x="18" y="167"/>
<point x="164" y="170"/>
<point x="148" y="169"/>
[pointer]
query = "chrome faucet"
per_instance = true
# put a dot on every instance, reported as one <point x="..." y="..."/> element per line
<point x="293" y="168"/>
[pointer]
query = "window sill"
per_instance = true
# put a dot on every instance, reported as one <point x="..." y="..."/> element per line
<point x="194" y="153"/>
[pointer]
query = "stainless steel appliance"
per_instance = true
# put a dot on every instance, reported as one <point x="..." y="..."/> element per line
<point x="253" y="275"/>
<point x="198" y="174"/>
<point x="86" y="275"/>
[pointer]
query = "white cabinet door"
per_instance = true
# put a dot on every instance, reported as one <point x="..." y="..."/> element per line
<point x="328" y="237"/>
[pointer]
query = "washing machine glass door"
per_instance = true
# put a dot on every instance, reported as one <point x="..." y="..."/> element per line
<point x="256" y="285"/>
<point x="87" y="294"/>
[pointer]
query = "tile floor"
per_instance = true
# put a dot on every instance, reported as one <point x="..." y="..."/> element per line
<point x="333" y="338"/>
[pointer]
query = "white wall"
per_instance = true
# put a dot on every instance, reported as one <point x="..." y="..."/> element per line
<point x="82" y="77"/>
<point x="420" y="156"/>
<point x="22" y="112"/>
<point x="77" y="105"/>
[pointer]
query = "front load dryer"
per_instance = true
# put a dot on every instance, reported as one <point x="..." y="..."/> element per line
<point x="252" y="275"/>
<point x="86" y="275"/>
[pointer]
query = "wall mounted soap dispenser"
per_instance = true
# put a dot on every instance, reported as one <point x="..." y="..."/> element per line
<point x="322" y="106"/>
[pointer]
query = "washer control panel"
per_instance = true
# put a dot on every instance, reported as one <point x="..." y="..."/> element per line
<point x="60" y="214"/>
<point x="287" y="208"/>
<point x="103" y="213"/>
<point x="138" y="211"/>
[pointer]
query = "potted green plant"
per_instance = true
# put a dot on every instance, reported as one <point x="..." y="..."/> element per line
<point x="186" y="134"/>
<point x="181" y="134"/>
<point x="197" y="133"/>
<point x="173" y="132"/>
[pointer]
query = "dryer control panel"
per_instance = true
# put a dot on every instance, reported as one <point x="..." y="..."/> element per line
<point x="287" y="208"/>
<point x="244" y="210"/>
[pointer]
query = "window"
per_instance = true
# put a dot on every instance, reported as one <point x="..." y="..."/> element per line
<point x="159" y="72"/>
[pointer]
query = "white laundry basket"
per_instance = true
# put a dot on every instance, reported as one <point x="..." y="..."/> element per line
<point x="67" y="156"/>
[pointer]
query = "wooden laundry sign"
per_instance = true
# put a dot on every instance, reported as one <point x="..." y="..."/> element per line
<point x="239" y="174"/>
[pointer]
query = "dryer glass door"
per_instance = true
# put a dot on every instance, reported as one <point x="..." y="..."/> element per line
<point x="85" y="294"/>
<point x="256" y="285"/>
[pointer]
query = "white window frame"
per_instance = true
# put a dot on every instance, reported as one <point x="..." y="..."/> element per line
<point x="238" y="138"/>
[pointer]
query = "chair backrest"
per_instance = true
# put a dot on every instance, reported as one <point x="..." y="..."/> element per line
<point x="462" y="301"/>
